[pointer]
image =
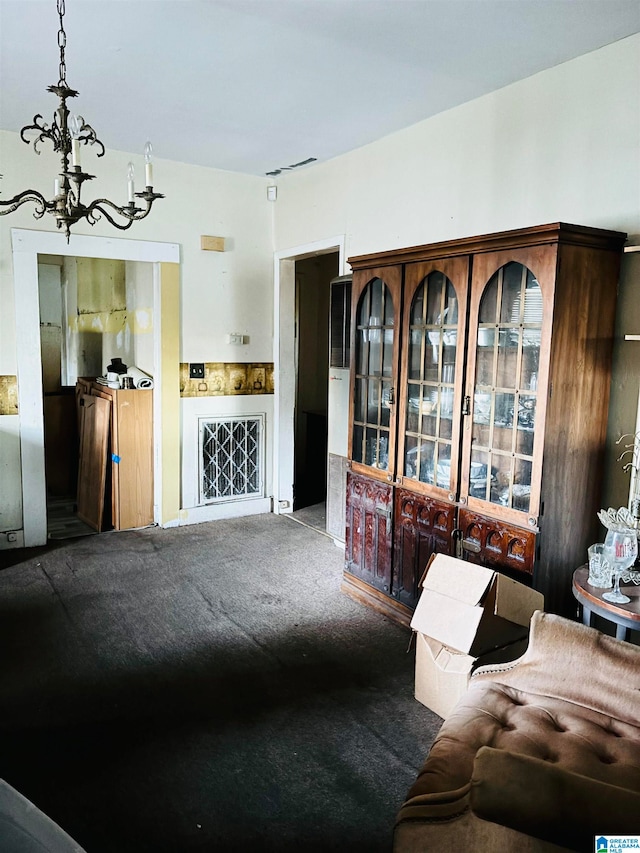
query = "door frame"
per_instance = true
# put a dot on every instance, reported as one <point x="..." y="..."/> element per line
<point x="284" y="343"/>
<point x="26" y="246"/>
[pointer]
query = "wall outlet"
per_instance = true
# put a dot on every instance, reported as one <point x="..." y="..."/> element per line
<point x="196" y="370"/>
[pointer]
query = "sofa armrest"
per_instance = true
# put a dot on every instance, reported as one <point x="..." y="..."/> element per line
<point x="569" y="661"/>
<point x="547" y="802"/>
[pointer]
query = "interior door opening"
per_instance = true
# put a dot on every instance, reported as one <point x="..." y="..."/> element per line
<point x="59" y="407"/>
<point x="92" y="311"/>
<point x="312" y="298"/>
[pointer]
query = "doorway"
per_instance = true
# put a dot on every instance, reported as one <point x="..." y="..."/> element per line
<point x="286" y="354"/>
<point x="92" y="311"/>
<point x="61" y="437"/>
<point x="27" y="246"/>
<point x="312" y="281"/>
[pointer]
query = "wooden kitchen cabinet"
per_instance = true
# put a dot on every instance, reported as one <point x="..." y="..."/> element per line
<point x="130" y="455"/>
<point x="480" y="378"/>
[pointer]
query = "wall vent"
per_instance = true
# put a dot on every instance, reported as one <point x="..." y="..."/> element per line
<point x="231" y="458"/>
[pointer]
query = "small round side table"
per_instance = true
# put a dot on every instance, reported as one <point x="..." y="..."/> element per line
<point x="624" y="616"/>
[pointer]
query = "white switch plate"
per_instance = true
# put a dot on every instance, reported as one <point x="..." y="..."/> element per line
<point x="235" y="339"/>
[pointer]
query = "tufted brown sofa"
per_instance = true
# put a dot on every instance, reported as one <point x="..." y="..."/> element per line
<point x="542" y="754"/>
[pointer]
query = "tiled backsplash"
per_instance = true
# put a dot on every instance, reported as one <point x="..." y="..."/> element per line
<point x="221" y="379"/>
<point x="8" y="395"/>
<point x="226" y="379"/>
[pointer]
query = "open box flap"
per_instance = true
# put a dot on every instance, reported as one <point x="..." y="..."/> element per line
<point x="516" y="602"/>
<point x="457" y="579"/>
<point x="472" y="609"/>
<point x="448" y="620"/>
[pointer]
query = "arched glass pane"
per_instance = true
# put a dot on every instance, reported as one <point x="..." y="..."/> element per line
<point x="433" y="342"/>
<point x="506" y="382"/>
<point x="372" y="382"/>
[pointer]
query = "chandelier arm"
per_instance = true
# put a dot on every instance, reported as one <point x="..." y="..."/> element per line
<point x="38" y="124"/>
<point x="88" y="137"/>
<point x="44" y="132"/>
<point x="42" y="205"/>
<point x="134" y="214"/>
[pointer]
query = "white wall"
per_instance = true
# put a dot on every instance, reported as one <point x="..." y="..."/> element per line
<point x="563" y="145"/>
<point x="139" y="283"/>
<point x="220" y="292"/>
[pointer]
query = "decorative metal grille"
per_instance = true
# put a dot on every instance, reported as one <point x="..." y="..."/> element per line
<point x="231" y="458"/>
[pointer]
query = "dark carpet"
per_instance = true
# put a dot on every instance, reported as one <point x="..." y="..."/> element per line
<point x="206" y="688"/>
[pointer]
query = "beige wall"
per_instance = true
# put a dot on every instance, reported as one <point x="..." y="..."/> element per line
<point x="222" y="292"/>
<point x="563" y="145"/>
<point x="219" y="292"/>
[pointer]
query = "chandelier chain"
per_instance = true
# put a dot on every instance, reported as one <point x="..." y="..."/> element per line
<point x="62" y="43"/>
<point x="67" y="133"/>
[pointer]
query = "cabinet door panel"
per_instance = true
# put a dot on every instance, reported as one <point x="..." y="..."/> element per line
<point x="511" y="309"/>
<point x="376" y="316"/>
<point x="493" y="543"/>
<point x="369" y="531"/>
<point x="423" y="527"/>
<point x="92" y="467"/>
<point x="434" y="327"/>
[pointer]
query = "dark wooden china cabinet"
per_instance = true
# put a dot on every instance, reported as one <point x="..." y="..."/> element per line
<point x="480" y="374"/>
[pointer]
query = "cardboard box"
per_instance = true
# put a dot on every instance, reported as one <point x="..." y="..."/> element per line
<point x="467" y="616"/>
<point x="442" y="674"/>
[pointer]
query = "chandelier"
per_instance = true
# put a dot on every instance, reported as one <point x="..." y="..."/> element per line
<point x="67" y="133"/>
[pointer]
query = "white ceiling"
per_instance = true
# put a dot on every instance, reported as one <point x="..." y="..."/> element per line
<point x="257" y="85"/>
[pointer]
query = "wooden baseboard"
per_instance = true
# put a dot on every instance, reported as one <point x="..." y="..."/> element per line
<point x="370" y="597"/>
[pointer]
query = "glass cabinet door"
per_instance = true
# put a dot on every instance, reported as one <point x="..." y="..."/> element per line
<point x="433" y="341"/>
<point x="374" y="378"/>
<point x="434" y="322"/>
<point x="505" y="389"/>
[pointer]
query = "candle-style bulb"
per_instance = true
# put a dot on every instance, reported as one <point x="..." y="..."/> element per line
<point x="74" y="124"/>
<point x="130" y="183"/>
<point x="148" y="167"/>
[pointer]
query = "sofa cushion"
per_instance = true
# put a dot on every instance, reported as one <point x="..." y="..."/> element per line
<point x="568" y="808"/>
<point x="491" y="714"/>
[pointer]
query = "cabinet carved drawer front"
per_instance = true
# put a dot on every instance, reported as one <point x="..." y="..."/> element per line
<point x="495" y="544"/>
<point x="369" y="520"/>
<point x="423" y="526"/>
